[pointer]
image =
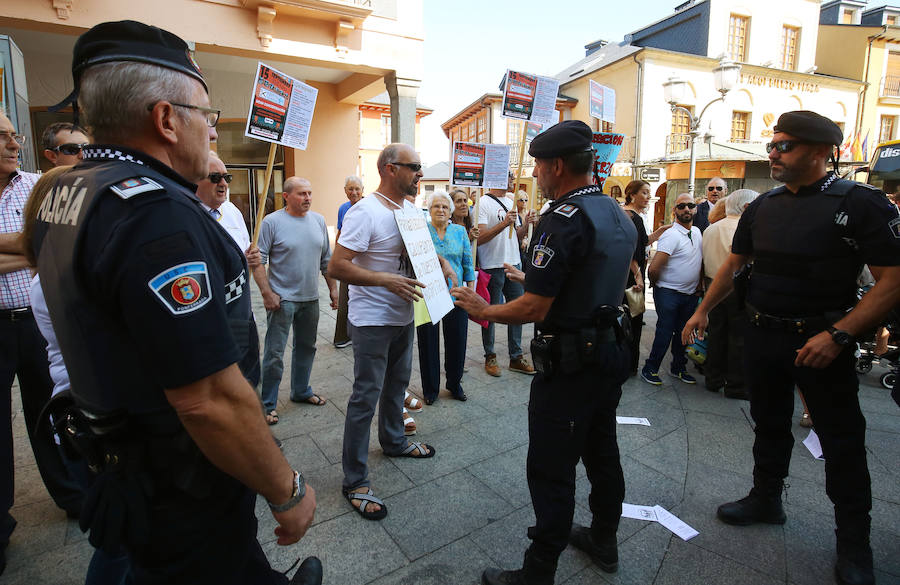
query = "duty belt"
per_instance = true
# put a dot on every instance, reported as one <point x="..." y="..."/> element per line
<point x="791" y="324"/>
<point x="15" y="314"/>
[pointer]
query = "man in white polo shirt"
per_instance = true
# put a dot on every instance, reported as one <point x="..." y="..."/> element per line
<point x="497" y="247"/>
<point x="675" y="276"/>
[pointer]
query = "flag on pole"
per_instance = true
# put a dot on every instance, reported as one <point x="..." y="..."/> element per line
<point x="856" y="149"/>
<point x="865" y="147"/>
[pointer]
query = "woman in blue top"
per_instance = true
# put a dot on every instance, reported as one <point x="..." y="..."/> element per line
<point x="452" y="243"/>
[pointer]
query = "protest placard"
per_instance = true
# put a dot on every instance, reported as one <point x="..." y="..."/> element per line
<point x="530" y="97"/>
<point x="606" y="147"/>
<point x="424" y="260"/>
<point x="596" y="99"/>
<point x="602" y="102"/>
<point x="281" y="108"/>
<point x="480" y="165"/>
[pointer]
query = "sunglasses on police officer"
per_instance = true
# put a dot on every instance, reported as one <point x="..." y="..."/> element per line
<point x="70" y="148"/>
<point x="216" y="177"/>
<point x="783" y="145"/>
<point x="681" y="206"/>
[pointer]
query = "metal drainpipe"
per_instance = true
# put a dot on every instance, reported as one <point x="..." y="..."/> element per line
<point x="637" y="110"/>
<point x="865" y="80"/>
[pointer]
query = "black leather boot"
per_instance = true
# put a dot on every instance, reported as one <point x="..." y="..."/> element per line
<point x="309" y="573"/>
<point x="854" y="560"/>
<point x="535" y="571"/>
<point x="762" y="505"/>
<point x="603" y="550"/>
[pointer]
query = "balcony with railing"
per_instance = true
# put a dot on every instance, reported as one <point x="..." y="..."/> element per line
<point x="890" y="86"/>
<point x="676" y="143"/>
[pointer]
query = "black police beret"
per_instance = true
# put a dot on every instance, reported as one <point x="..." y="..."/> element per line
<point x="128" y="40"/>
<point x="567" y="137"/>
<point x="809" y="126"/>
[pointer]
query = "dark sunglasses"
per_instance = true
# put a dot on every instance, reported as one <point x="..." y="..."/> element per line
<point x="783" y="145"/>
<point x="70" y="148"/>
<point x="216" y="177"/>
<point x="414" y="167"/>
<point x="716" y="188"/>
<point x="688" y="205"/>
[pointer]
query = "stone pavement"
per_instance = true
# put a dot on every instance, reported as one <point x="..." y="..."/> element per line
<point x="469" y="507"/>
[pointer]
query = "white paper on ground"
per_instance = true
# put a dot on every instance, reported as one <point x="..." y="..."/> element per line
<point x="674" y="523"/>
<point x="812" y="443"/>
<point x="632" y="420"/>
<point x="638" y="512"/>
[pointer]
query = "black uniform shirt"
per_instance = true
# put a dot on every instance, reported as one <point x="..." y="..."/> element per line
<point x="580" y="254"/>
<point x="162" y="273"/>
<point x="813" y="235"/>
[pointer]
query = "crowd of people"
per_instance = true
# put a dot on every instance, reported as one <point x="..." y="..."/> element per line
<point x="131" y="243"/>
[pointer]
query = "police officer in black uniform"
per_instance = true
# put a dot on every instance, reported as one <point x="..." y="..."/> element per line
<point x="578" y="263"/>
<point x="149" y="299"/>
<point x="808" y="240"/>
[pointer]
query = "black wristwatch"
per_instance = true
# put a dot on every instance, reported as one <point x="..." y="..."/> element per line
<point x="296" y="495"/>
<point x="841" y="338"/>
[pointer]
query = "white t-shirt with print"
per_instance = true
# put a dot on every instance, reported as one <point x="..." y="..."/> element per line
<point x="370" y="229"/>
<point x="501" y="248"/>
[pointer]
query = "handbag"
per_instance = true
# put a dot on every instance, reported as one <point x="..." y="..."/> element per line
<point x="635" y="300"/>
<point x="481" y="287"/>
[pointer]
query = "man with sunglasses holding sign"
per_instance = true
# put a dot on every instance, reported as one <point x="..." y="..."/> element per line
<point x="63" y="143"/>
<point x="808" y="240"/>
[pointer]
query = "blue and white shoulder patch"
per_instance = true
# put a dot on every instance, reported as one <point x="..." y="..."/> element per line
<point x="567" y="210"/>
<point x="135" y="186"/>
<point x="894" y="226"/>
<point x="183" y="288"/>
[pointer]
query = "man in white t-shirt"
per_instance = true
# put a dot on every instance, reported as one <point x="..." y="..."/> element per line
<point x="674" y="273"/>
<point x="371" y="257"/>
<point x="498" y="246"/>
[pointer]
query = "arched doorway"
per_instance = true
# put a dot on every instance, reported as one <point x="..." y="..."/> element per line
<point x="659" y="210"/>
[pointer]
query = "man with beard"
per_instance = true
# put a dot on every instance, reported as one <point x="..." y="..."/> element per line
<point x="578" y="263"/>
<point x="674" y="275"/>
<point x="715" y="190"/>
<point x="808" y="240"/>
<point x="372" y="258"/>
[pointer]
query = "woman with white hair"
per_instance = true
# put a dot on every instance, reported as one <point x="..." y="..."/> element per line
<point x="452" y="243"/>
<point x="725" y="336"/>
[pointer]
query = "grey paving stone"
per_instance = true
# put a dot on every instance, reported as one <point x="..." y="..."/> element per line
<point x="353" y="551"/>
<point x="430" y="516"/>
<point x="458" y="563"/>
<point x="688" y="563"/>
<point x="303" y="453"/>
<point x="59" y="565"/>
<point x="499" y="432"/>
<point x="640" y="556"/>
<point x="41" y="527"/>
<point x="455" y="448"/>
<point x="505" y="475"/>
<point x="668" y="454"/>
<point x="722" y="442"/>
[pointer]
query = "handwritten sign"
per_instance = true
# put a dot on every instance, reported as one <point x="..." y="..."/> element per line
<point x="606" y="147"/>
<point x="281" y="108"/>
<point x="424" y="260"/>
<point x="530" y="97"/>
<point x="480" y="165"/>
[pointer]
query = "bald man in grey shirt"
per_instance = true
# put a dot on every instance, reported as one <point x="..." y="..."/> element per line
<point x="294" y="245"/>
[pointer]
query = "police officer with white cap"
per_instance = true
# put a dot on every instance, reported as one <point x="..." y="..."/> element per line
<point x="577" y="266"/>
<point x="149" y="300"/>
<point x="808" y="241"/>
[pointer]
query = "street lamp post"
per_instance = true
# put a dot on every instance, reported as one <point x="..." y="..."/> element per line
<point x="725" y="76"/>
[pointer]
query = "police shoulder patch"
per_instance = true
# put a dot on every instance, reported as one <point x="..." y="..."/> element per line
<point x="541" y="255"/>
<point x="135" y="186"/>
<point x="183" y="288"/>
<point x="894" y="226"/>
<point x="567" y="210"/>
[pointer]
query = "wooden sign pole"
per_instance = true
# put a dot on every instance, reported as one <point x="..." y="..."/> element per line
<point x="475" y="223"/>
<point x="512" y="228"/>
<point x="261" y="208"/>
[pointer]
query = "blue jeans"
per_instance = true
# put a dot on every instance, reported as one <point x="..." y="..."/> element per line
<point x="673" y="309"/>
<point x="503" y="290"/>
<point x="304" y="317"/>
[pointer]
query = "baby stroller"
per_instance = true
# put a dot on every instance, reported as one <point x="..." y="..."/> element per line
<point x="891" y="358"/>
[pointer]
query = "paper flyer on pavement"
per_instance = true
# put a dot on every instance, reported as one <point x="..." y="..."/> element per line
<point x="530" y="97"/>
<point x="480" y="165"/>
<point x="281" y="108"/>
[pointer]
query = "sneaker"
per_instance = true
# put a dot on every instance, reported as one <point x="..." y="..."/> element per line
<point x="491" y="366"/>
<point x="521" y="365"/>
<point x="684" y="377"/>
<point x="409" y="424"/>
<point x="343" y="344"/>
<point x="651" y="378"/>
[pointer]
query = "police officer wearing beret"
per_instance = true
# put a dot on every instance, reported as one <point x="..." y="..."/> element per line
<point x="149" y="300"/>
<point x="808" y="240"/>
<point x="577" y="267"/>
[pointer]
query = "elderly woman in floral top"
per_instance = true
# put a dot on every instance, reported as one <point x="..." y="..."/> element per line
<point x="452" y="243"/>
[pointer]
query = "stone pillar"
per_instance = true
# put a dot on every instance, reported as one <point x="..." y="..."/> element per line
<point x="403" y="107"/>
